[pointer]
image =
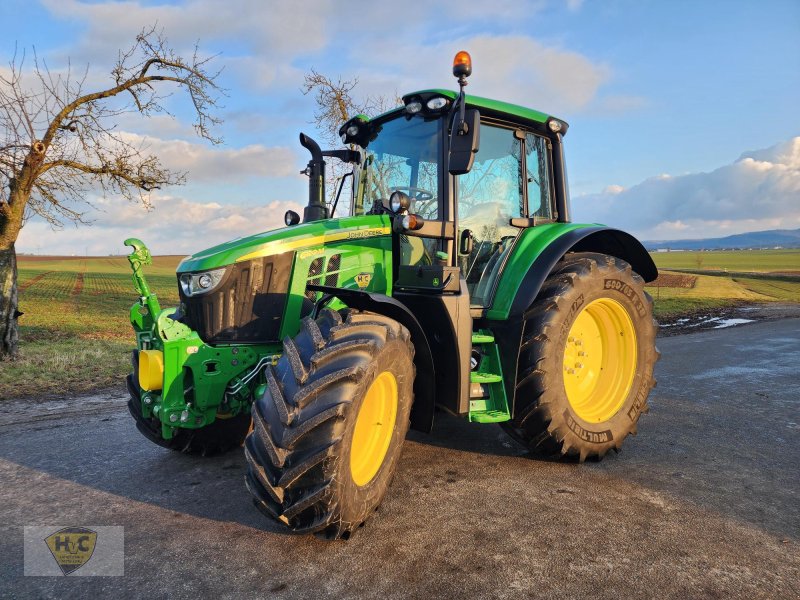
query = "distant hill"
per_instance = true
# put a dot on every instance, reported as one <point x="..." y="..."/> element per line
<point x="785" y="238"/>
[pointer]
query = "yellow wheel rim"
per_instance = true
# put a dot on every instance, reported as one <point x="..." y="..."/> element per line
<point x="374" y="427"/>
<point x="600" y="360"/>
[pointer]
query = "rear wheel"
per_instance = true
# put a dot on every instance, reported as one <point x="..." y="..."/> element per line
<point x="586" y="361"/>
<point x="225" y="433"/>
<point x="329" y="429"/>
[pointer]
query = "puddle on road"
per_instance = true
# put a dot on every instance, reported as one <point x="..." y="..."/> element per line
<point x="706" y="322"/>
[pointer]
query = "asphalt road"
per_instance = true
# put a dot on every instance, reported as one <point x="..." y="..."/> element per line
<point x="703" y="503"/>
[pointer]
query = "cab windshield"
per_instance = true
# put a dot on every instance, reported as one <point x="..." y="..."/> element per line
<point x="404" y="156"/>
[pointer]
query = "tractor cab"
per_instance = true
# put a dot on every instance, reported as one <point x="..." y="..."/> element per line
<point x="471" y="219"/>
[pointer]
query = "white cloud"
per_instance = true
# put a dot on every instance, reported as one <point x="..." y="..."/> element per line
<point x="207" y="163"/>
<point x="516" y="68"/>
<point x="277" y="41"/>
<point x="281" y="28"/>
<point x="761" y="190"/>
<point x="174" y="226"/>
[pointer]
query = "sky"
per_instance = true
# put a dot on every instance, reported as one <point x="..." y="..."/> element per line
<point x="684" y="119"/>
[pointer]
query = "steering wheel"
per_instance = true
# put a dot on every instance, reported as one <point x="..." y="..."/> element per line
<point x="421" y="194"/>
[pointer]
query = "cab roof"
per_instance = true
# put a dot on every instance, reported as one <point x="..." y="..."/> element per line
<point x="485" y="105"/>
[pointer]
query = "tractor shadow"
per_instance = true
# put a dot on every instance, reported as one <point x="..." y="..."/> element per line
<point x="457" y="433"/>
<point x="105" y="453"/>
<point x="104" y="457"/>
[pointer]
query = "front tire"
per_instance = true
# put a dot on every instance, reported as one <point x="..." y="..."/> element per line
<point x="329" y="429"/>
<point x="586" y="361"/>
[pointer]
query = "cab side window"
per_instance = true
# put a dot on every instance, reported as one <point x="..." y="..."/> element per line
<point x="537" y="160"/>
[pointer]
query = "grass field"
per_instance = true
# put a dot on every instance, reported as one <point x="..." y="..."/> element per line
<point x="711" y="292"/>
<point x="756" y="261"/>
<point x="75" y="334"/>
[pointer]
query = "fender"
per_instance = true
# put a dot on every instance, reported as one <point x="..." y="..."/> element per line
<point x="424" y="398"/>
<point x="605" y="240"/>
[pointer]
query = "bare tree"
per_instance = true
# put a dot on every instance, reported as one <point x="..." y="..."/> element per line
<point x="59" y="143"/>
<point x="336" y="104"/>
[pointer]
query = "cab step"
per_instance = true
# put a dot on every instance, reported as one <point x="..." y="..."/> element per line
<point x="488" y="403"/>
<point x="476" y="377"/>
<point x="482" y="338"/>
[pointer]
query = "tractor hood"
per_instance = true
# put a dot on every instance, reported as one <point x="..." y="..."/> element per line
<point x="277" y="241"/>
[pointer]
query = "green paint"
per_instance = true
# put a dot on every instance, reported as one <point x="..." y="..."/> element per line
<point x="199" y="379"/>
<point x="203" y="382"/>
<point x="196" y="375"/>
<point x="371" y="255"/>
<point x="299" y="237"/>
<point x="484" y="377"/>
<point x="482" y="338"/>
<point x="530" y="245"/>
<point x="139" y="258"/>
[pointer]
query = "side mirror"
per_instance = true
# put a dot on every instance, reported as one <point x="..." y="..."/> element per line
<point x="358" y="131"/>
<point x="465" y="243"/>
<point x="291" y="218"/>
<point x="464" y="144"/>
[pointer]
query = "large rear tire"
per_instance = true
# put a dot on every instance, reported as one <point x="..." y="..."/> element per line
<point x="329" y="429"/>
<point x="222" y="435"/>
<point x="586" y="361"/>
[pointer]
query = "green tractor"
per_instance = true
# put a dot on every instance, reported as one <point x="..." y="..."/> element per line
<point x="457" y="281"/>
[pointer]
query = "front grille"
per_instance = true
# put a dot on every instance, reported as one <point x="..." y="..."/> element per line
<point x="248" y="304"/>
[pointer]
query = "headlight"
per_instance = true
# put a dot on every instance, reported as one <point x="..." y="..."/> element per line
<point x="194" y="284"/>
<point x="413" y="107"/>
<point x="436" y="103"/>
<point x="352" y="131"/>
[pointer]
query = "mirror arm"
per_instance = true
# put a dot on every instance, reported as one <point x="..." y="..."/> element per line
<point x="348" y="156"/>
<point x="339" y="193"/>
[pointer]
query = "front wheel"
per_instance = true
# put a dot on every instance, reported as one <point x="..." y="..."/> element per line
<point x="330" y="426"/>
<point x="586" y="361"/>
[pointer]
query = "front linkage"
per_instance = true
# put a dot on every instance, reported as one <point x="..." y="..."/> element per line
<point x="183" y="382"/>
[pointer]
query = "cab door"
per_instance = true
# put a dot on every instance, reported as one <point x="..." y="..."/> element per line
<point x="510" y="179"/>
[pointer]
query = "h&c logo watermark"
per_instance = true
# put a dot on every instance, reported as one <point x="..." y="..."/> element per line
<point x="77" y="551"/>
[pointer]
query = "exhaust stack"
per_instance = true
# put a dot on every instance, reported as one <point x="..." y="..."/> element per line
<point x="316" y="209"/>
